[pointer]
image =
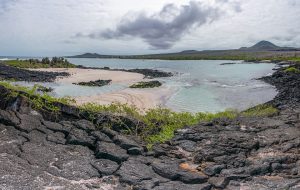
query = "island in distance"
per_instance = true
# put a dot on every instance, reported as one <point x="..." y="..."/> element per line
<point x="260" y="50"/>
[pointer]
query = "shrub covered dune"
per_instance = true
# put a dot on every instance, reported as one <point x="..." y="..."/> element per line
<point x="156" y="125"/>
<point x="55" y="62"/>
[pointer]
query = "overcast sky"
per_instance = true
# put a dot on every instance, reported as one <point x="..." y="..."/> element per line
<point x="68" y="27"/>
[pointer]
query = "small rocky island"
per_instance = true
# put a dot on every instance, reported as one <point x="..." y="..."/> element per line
<point x="148" y="84"/>
<point x="94" y="83"/>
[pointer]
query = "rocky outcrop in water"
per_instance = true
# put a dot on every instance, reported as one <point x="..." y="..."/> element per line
<point x="147" y="84"/>
<point x="13" y="73"/>
<point x="69" y="152"/>
<point x="94" y="83"/>
<point x="151" y="73"/>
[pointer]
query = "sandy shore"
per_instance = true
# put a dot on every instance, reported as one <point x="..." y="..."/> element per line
<point x="86" y="75"/>
<point x="143" y="99"/>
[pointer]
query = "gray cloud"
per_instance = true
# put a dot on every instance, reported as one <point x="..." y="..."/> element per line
<point x="163" y="29"/>
<point x="5" y="4"/>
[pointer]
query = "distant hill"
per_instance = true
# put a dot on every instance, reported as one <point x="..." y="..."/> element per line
<point x="264" y="45"/>
<point x="188" y="51"/>
<point x="260" y="50"/>
<point x="267" y="46"/>
<point x="92" y="55"/>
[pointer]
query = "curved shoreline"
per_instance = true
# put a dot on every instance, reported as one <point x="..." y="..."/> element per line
<point x="143" y="99"/>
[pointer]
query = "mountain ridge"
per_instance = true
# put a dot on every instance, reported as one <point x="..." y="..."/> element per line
<point x="263" y="48"/>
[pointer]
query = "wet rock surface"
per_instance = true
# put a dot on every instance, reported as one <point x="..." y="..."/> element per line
<point x="13" y="73"/>
<point x="244" y="153"/>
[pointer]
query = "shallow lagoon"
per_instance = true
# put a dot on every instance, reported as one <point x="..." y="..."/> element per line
<point x="204" y="85"/>
<point x="198" y="85"/>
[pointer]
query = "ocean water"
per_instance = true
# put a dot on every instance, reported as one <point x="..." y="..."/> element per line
<point x="199" y="85"/>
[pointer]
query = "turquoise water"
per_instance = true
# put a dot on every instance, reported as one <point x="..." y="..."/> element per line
<point x="200" y="85"/>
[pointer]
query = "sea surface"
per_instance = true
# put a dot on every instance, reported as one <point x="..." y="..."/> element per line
<point x="198" y="85"/>
<point x="202" y="85"/>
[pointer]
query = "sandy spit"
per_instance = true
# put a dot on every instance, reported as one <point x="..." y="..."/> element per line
<point x="143" y="99"/>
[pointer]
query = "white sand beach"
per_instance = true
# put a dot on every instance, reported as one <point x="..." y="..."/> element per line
<point x="143" y="99"/>
<point x="86" y="75"/>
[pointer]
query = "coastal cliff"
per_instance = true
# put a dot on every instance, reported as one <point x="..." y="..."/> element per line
<point x="66" y="151"/>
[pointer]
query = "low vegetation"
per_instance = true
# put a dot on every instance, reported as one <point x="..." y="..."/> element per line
<point x="55" y="62"/>
<point x="155" y="125"/>
<point x="296" y="59"/>
<point x="148" y="84"/>
<point x="249" y="56"/>
<point x="160" y="122"/>
<point x="40" y="100"/>
<point x="292" y="70"/>
<point x="262" y="110"/>
<point x="94" y="83"/>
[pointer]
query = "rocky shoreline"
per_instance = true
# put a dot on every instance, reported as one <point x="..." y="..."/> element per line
<point x="13" y="73"/>
<point x="148" y="73"/>
<point x="69" y="152"/>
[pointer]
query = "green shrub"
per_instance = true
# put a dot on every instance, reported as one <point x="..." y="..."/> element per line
<point x="56" y="62"/>
<point x="40" y="101"/>
<point x="292" y="70"/>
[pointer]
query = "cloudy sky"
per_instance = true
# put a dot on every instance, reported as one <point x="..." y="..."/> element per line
<point x="68" y="27"/>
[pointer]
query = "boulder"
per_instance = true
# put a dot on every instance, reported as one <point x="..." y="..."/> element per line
<point x="111" y="151"/>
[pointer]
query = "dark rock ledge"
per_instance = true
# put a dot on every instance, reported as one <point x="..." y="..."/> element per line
<point x="68" y="152"/>
<point x="13" y="73"/>
<point x="148" y="73"/>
